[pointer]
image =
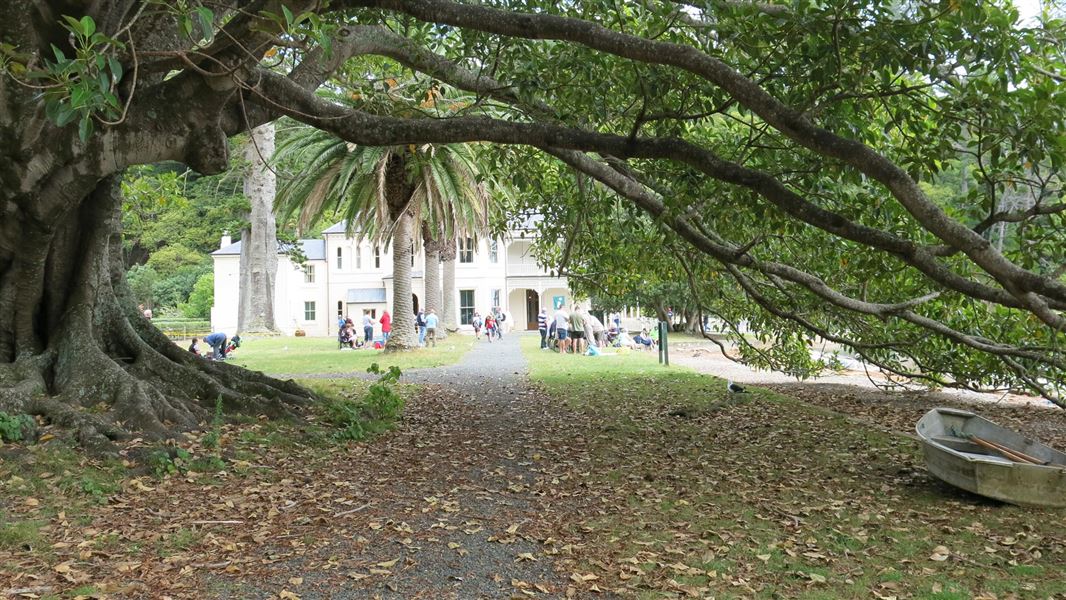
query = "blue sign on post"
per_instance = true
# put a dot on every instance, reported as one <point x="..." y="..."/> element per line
<point x="558" y="302"/>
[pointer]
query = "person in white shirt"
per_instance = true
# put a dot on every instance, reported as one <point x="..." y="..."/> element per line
<point x="562" y="329"/>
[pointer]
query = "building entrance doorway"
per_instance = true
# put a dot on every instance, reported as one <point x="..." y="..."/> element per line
<point x="532" y="309"/>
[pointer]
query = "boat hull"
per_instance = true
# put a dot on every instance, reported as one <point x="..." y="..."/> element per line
<point x="952" y="458"/>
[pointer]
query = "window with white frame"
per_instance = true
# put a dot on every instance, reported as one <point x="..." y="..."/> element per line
<point x="494" y="252"/>
<point x="358" y="257"/>
<point x="309" y="311"/>
<point x="309" y="273"/>
<point x="412" y="254"/>
<point x="377" y="257"/>
<point x="466" y="306"/>
<point x="495" y="298"/>
<point x="466" y="250"/>
<point x="340" y="258"/>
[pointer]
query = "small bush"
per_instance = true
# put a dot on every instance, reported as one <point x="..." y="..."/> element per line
<point x="212" y="438"/>
<point x="168" y="461"/>
<point x="14" y="428"/>
<point x="98" y="488"/>
<point x="380" y="406"/>
<point x="207" y="464"/>
<point x="382" y="401"/>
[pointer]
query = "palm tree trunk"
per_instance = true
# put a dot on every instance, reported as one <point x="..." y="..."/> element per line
<point x="403" y="321"/>
<point x="431" y="244"/>
<point x="447" y="254"/>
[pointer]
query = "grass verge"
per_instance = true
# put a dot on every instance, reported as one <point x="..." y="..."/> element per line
<point x="306" y="356"/>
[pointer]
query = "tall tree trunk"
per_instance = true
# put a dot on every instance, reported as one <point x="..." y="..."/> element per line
<point x="403" y="323"/>
<point x="75" y="350"/>
<point x="259" y="243"/>
<point x="431" y="244"/>
<point x="398" y="193"/>
<point x="450" y="318"/>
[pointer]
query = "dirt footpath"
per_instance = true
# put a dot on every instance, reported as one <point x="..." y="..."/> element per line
<point x="853" y="393"/>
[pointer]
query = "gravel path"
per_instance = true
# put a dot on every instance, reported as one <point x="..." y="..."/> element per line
<point x="461" y="499"/>
<point x="708" y="359"/>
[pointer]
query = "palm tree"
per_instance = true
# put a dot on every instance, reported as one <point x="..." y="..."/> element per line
<point x="386" y="192"/>
<point x="449" y="321"/>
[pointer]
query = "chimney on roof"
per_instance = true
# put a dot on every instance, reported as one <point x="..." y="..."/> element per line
<point x="226" y="240"/>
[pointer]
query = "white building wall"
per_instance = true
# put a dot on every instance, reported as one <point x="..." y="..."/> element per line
<point x="227" y="288"/>
<point x="509" y="275"/>
<point x="484" y="276"/>
<point x="292" y="292"/>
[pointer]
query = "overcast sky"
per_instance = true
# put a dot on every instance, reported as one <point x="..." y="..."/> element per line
<point x="1028" y="9"/>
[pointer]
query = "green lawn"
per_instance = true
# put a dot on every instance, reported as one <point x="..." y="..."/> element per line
<point x="310" y="355"/>
<point x="762" y="496"/>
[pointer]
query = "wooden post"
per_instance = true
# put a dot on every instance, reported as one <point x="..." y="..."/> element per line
<point x="665" y="344"/>
<point x="659" y="326"/>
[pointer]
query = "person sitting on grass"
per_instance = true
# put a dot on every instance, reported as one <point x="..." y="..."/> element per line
<point x="194" y="347"/>
<point x="643" y="340"/>
<point x="347" y="336"/>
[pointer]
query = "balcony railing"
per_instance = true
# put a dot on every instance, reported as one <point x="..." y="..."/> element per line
<point x="523" y="268"/>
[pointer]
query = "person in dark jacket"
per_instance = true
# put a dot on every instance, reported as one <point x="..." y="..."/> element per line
<point x="217" y="341"/>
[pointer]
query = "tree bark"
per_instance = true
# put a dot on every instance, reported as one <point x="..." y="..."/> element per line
<point x="398" y="193"/>
<point x="450" y="318"/>
<point x="259" y="243"/>
<point x="431" y="244"/>
<point x="75" y="350"/>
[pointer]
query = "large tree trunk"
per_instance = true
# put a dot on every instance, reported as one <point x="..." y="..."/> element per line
<point x="447" y="255"/>
<point x="431" y="243"/>
<point x="75" y="350"/>
<point x="259" y="243"/>
<point x="403" y="322"/>
<point x="398" y="192"/>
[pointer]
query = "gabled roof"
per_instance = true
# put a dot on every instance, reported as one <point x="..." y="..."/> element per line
<point x="312" y="249"/>
<point x="337" y="228"/>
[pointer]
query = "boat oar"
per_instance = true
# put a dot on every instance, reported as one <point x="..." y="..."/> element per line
<point x="1010" y="453"/>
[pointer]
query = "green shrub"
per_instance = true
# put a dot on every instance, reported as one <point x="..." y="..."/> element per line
<point x="382" y="402"/>
<point x="374" y="413"/>
<point x="168" y="461"/>
<point x="201" y="298"/>
<point x="207" y="464"/>
<point x="212" y="437"/>
<point x="14" y="428"/>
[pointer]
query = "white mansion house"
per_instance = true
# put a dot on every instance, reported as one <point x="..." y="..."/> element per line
<point x="344" y="277"/>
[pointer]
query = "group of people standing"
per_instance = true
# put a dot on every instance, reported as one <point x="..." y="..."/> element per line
<point x="580" y="332"/>
<point x="575" y="331"/>
<point x="426" y="323"/>
<point x="495" y="323"/>
<point x="348" y="337"/>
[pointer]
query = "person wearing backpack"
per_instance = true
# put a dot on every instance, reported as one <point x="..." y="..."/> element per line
<point x="476" y="323"/>
<point x="420" y="325"/>
<point x="500" y="319"/>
